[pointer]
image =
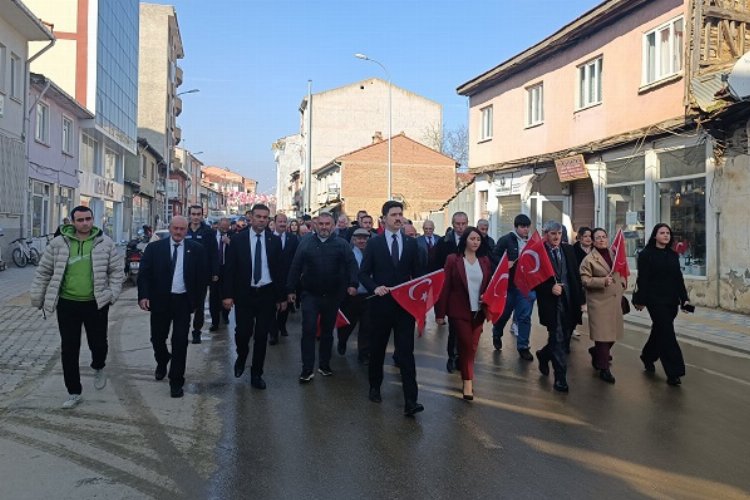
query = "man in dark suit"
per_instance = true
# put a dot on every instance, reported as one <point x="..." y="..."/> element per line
<point x="447" y="246"/>
<point x="289" y="244"/>
<point x="171" y="281"/>
<point x="253" y="281"/>
<point x="560" y="301"/>
<point x="391" y="259"/>
<point x="202" y="233"/>
<point x="488" y="243"/>
<point x="428" y="242"/>
<point x="222" y="237"/>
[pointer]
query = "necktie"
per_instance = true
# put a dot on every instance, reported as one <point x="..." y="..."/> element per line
<point x="174" y="256"/>
<point x="394" y="251"/>
<point x="556" y="255"/>
<point x="258" y="262"/>
<point x="429" y="242"/>
<point x="222" y="249"/>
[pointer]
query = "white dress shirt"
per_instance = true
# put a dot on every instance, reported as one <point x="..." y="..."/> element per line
<point x="389" y="242"/>
<point x="474" y="281"/>
<point x="283" y="238"/>
<point x="178" y="278"/>
<point x="265" y="276"/>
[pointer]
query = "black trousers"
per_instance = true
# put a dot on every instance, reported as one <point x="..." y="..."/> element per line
<point x="177" y="314"/>
<point x="452" y="346"/>
<point x="314" y="306"/>
<point x="215" y="306"/>
<point x="253" y="319"/>
<point x="279" y="322"/>
<point x="557" y="344"/>
<point x="71" y="315"/>
<point x="357" y="311"/>
<point x="662" y="343"/>
<point x="388" y="316"/>
<point x="199" y="318"/>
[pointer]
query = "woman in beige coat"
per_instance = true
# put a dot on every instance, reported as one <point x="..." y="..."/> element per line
<point x="603" y="300"/>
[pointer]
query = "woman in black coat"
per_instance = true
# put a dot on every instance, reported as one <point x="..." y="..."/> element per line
<point x="661" y="289"/>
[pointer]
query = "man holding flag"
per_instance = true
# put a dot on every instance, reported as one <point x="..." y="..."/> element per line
<point x="560" y="298"/>
<point x="392" y="259"/>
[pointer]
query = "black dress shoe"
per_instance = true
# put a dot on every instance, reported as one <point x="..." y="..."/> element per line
<point x="648" y="365"/>
<point x="469" y="397"/>
<point x="160" y="372"/>
<point x="497" y="343"/>
<point x="451" y="365"/>
<point x="561" y="385"/>
<point x="526" y="355"/>
<point x="607" y="376"/>
<point x="257" y="382"/>
<point x="196" y="336"/>
<point x="239" y="368"/>
<point x="674" y="381"/>
<point x="213" y="328"/>
<point x="412" y="408"/>
<point x="273" y="340"/>
<point x="375" y="395"/>
<point x="176" y="392"/>
<point x="543" y="364"/>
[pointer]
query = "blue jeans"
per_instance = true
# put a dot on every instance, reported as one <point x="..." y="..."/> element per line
<point x="520" y="307"/>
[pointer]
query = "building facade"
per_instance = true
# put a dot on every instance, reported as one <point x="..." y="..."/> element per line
<point x="140" y="199"/>
<point x="345" y="119"/>
<point x="54" y="139"/>
<point x="18" y="27"/>
<point x="597" y="125"/>
<point x="239" y="193"/>
<point x="96" y="61"/>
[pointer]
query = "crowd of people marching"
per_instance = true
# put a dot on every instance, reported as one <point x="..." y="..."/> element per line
<point x="346" y="276"/>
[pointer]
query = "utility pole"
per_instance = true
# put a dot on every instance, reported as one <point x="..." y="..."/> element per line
<point x="308" y="156"/>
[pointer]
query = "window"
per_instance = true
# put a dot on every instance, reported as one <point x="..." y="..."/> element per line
<point x="39" y="204"/>
<point x="42" y="123"/>
<point x="590" y="83"/>
<point x="3" y="55"/>
<point x="110" y="165"/>
<point x="535" y="105"/>
<point x="88" y="154"/>
<point x="67" y="135"/>
<point x="16" y="73"/>
<point x="662" y="51"/>
<point x="153" y="173"/>
<point x="143" y="166"/>
<point x="486" y="133"/>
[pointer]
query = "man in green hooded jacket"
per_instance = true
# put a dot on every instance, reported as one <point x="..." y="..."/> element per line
<point x="80" y="275"/>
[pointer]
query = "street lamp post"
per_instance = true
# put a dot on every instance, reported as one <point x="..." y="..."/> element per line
<point x="390" y="120"/>
<point x="171" y="155"/>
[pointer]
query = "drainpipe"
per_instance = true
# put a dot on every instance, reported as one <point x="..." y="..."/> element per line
<point x="24" y="125"/>
<point x="718" y="259"/>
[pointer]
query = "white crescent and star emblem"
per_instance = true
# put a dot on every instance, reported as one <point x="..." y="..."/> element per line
<point x="534" y="255"/>
<point x="503" y="277"/>
<point x="413" y="288"/>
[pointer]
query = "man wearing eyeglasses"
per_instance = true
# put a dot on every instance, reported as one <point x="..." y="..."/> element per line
<point x="80" y="275"/>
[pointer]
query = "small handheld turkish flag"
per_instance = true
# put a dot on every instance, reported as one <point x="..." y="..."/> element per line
<point x="620" y="262"/>
<point x="341" y="321"/>
<point x="497" y="290"/>
<point x="419" y="295"/>
<point x="533" y="266"/>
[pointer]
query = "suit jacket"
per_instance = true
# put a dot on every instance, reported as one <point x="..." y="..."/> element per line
<point x="377" y="267"/>
<point x="287" y="253"/>
<point x="432" y="256"/>
<point x="155" y="273"/>
<point x="238" y="270"/>
<point x="447" y="246"/>
<point x="454" y="298"/>
<point x="547" y="301"/>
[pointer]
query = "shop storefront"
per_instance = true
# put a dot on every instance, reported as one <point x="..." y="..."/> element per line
<point x="104" y="197"/>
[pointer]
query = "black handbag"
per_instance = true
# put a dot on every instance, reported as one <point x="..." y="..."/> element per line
<point x="625" y="305"/>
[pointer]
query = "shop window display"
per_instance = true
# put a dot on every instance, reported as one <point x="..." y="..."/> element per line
<point x="682" y="205"/>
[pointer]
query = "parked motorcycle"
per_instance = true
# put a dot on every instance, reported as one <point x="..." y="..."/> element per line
<point x="133" y="254"/>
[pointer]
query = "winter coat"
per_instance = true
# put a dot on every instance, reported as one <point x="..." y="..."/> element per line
<point x="603" y="302"/>
<point x="108" y="271"/>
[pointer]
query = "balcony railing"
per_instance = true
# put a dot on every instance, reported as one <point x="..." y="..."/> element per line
<point x="177" y="135"/>
<point x="178" y="76"/>
<point x="177" y="105"/>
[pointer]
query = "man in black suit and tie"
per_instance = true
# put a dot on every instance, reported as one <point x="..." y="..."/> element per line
<point x="289" y="243"/>
<point x="253" y="281"/>
<point x="391" y="259"/>
<point x="171" y="281"/>
<point x="222" y="237"/>
<point x="428" y="242"/>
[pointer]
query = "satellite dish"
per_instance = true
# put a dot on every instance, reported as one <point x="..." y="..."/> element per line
<point x="739" y="77"/>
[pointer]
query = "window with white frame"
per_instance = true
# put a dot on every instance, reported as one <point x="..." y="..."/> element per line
<point x="486" y="132"/>
<point x="16" y="73"/>
<point x="663" y="51"/>
<point x="88" y="154"/>
<point x="535" y="105"/>
<point x="590" y="83"/>
<point x="67" y="135"/>
<point x="42" y="122"/>
<point x="3" y="55"/>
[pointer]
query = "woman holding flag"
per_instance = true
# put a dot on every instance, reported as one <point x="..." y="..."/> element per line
<point x="604" y="287"/>
<point x="466" y="279"/>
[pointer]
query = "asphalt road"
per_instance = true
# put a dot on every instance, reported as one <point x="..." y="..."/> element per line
<point x="518" y="439"/>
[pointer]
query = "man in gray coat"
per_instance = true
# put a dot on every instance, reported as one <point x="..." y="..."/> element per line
<point x="80" y="275"/>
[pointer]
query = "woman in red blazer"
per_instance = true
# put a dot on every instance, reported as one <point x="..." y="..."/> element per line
<point x="466" y="278"/>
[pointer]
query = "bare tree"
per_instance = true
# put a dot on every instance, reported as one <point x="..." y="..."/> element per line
<point x="453" y="143"/>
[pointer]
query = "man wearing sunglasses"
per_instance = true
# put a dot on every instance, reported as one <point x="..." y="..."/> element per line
<point x="80" y="275"/>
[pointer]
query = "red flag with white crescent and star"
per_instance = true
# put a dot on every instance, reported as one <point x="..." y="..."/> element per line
<point x="419" y="295"/>
<point x="620" y="262"/>
<point x="533" y="266"/>
<point x="497" y="290"/>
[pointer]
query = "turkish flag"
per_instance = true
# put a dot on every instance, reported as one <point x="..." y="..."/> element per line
<point x="341" y="321"/>
<point x="497" y="290"/>
<point x="419" y="295"/>
<point x="533" y="265"/>
<point x="620" y="262"/>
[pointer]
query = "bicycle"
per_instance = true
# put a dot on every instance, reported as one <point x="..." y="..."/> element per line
<point x="24" y="253"/>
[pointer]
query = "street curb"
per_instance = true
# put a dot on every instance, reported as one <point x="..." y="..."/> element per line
<point x="692" y="338"/>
